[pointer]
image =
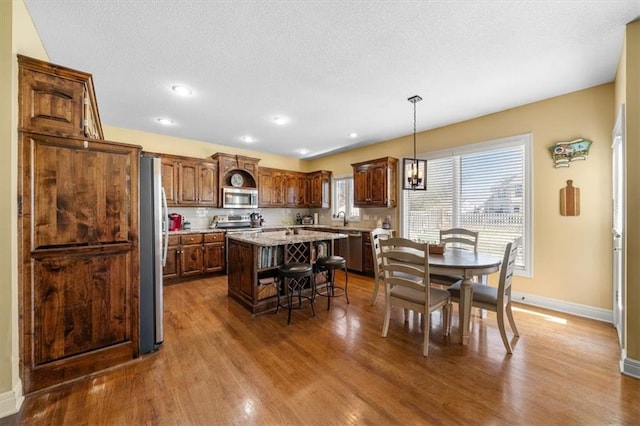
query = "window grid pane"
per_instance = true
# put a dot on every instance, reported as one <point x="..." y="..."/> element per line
<point x="482" y="191"/>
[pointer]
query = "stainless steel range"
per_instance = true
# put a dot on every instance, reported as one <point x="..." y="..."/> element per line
<point x="231" y="222"/>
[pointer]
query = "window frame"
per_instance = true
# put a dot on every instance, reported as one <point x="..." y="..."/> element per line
<point x="526" y="141"/>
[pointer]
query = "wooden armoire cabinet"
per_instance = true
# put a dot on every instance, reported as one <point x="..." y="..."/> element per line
<point x="78" y="216"/>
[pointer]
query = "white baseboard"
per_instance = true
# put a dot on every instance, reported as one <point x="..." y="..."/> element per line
<point x="11" y="401"/>
<point x="630" y="367"/>
<point x="585" y="311"/>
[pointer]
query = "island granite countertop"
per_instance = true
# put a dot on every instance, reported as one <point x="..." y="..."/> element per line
<point x="278" y="238"/>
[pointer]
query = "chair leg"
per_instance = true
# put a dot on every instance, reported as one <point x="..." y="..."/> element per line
<point x="387" y="317"/>
<point x="376" y="287"/>
<point x="346" y="284"/>
<point x="289" y="304"/>
<point x="331" y="276"/>
<point x="425" y="327"/>
<point x="446" y="317"/>
<point x="503" y="331"/>
<point x="512" y="322"/>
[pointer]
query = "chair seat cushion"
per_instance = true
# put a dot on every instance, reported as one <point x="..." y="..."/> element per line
<point x="417" y="296"/>
<point x="481" y="293"/>
<point x="293" y="270"/>
<point x="331" y="262"/>
<point x="445" y="279"/>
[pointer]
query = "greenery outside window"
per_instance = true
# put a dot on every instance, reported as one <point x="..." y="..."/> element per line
<point x="343" y="199"/>
<point x="484" y="187"/>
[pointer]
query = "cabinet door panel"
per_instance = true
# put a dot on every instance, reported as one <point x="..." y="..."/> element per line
<point x="169" y="172"/>
<point x="172" y="265"/>
<point x="378" y="185"/>
<point x="213" y="257"/>
<point x="360" y="186"/>
<point x="73" y="315"/>
<point x="83" y="193"/>
<point x="208" y="184"/>
<point x="188" y="183"/>
<point x="51" y="104"/>
<point x="191" y="259"/>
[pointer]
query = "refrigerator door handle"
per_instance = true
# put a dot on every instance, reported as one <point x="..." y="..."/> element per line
<point x="165" y="227"/>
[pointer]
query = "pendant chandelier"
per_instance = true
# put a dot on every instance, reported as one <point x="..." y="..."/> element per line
<point x="414" y="171"/>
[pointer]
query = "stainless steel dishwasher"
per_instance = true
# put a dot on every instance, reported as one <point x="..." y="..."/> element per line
<point x="351" y="250"/>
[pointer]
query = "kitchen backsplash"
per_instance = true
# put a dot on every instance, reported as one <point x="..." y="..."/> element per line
<point x="200" y="217"/>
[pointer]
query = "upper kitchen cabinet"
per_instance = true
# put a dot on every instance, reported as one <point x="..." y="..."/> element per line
<point x="270" y="187"/>
<point x="319" y="189"/>
<point x="57" y="101"/>
<point x="295" y="189"/>
<point x="169" y="171"/>
<point x="189" y="182"/>
<point x="197" y="183"/>
<point x="375" y="183"/>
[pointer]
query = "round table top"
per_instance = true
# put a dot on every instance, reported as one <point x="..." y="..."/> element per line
<point x="464" y="259"/>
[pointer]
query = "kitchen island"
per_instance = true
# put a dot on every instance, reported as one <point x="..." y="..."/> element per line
<point x="254" y="258"/>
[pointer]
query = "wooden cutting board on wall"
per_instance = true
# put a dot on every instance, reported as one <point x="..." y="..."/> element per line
<point x="570" y="200"/>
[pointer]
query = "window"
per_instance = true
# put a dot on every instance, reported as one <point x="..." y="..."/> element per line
<point x="343" y="198"/>
<point x="485" y="187"/>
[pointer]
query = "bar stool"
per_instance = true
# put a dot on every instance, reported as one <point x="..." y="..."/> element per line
<point x="330" y="264"/>
<point x="292" y="278"/>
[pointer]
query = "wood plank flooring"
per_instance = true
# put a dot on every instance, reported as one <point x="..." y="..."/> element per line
<point x="221" y="366"/>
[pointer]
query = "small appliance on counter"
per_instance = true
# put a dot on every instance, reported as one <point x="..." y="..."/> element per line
<point x="186" y="225"/>
<point x="386" y="223"/>
<point x="256" y="220"/>
<point x="175" y="222"/>
<point x="298" y="219"/>
<point x="307" y="220"/>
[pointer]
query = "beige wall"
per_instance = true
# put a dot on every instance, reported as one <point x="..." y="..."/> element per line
<point x="8" y="279"/>
<point x="631" y="90"/>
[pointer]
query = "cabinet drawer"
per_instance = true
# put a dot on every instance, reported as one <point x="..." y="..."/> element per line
<point x="214" y="237"/>
<point x="174" y="240"/>
<point x="191" y="239"/>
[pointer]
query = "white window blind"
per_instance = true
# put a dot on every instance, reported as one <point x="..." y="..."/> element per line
<point x="483" y="188"/>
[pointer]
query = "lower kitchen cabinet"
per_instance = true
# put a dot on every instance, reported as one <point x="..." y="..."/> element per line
<point x="213" y="260"/>
<point x="194" y="255"/>
<point x="367" y="254"/>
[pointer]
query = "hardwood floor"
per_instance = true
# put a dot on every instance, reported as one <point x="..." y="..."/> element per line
<point x="220" y="365"/>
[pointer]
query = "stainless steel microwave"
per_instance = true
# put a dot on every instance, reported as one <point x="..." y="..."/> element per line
<point x="239" y="198"/>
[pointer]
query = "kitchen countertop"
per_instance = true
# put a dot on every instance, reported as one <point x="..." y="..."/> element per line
<point x="278" y="238"/>
<point x="278" y="228"/>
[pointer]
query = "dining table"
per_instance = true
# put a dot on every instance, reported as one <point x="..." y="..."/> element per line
<point x="467" y="264"/>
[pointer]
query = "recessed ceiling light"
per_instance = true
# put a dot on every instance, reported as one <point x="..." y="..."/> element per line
<point x="280" y="120"/>
<point x="303" y="151"/>
<point x="181" y="90"/>
<point x="165" y="121"/>
<point x="353" y="135"/>
<point x="248" y="139"/>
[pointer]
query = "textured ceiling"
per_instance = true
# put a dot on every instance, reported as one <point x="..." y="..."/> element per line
<point x="329" y="67"/>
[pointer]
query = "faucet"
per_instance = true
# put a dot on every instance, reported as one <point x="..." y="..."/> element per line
<point x="344" y="218"/>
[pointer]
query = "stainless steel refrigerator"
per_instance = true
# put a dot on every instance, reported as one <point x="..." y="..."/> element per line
<point x="154" y="228"/>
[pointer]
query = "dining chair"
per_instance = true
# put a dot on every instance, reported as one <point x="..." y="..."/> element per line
<point x="376" y="235"/>
<point x="405" y="265"/>
<point x="494" y="299"/>
<point x="458" y="239"/>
